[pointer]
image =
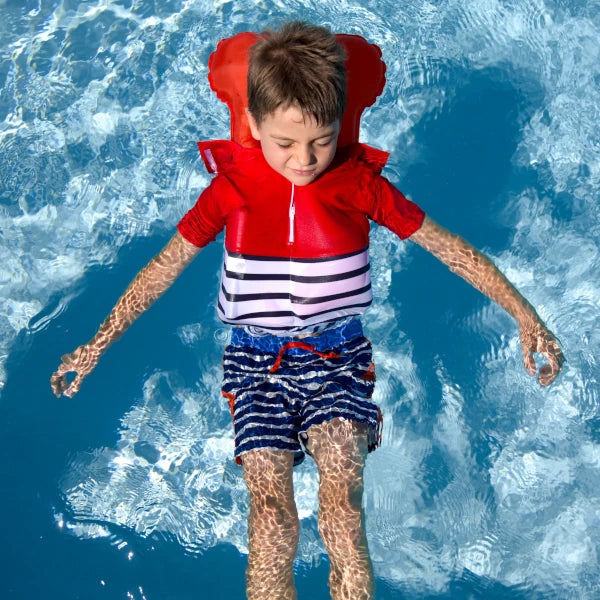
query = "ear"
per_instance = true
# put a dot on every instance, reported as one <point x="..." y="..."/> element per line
<point x="253" y="126"/>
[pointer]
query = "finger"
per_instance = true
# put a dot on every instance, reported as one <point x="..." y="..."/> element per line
<point x="55" y="384"/>
<point x="560" y="357"/>
<point x="529" y="362"/>
<point x="547" y="375"/>
<point x="58" y="383"/>
<point x="62" y="370"/>
<point x="527" y="350"/>
<point x="74" y="387"/>
<point x="549" y="372"/>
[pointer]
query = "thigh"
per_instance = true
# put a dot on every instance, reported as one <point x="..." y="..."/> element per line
<point x="339" y="447"/>
<point x="268" y="475"/>
<point x="343" y="396"/>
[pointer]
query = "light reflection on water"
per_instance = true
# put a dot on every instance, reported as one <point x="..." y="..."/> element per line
<point x="491" y="116"/>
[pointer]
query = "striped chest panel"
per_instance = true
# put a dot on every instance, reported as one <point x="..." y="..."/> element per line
<point x="287" y="294"/>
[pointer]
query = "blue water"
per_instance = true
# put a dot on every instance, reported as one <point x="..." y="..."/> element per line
<point x="486" y="486"/>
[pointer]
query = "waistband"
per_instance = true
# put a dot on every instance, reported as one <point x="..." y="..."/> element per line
<point x="330" y="338"/>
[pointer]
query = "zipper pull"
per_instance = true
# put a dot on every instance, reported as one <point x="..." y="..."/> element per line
<point x="292" y="216"/>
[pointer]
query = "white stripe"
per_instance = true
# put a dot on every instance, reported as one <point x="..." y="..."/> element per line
<point x="235" y="309"/>
<point x="296" y="288"/>
<point x="284" y="427"/>
<point x="243" y="354"/>
<point x="266" y="437"/>
<point x="331" y="266"/>
<point x="332" y="398"/>
<point x="239" y="409"/>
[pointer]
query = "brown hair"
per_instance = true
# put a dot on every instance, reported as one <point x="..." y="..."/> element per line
<point x="298" y="64"/>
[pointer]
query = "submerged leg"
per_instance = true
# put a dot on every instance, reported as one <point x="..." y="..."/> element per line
<point x="339" y="447"/>
<point x="272" y="525"/>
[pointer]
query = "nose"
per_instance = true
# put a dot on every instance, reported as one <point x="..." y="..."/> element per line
<point x="305" y="155"/>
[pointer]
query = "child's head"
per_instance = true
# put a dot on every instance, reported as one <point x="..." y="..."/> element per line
<point x="300" y="65"/>
<point x="296" y="99"/>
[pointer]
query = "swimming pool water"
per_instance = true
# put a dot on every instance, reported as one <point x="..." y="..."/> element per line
<point x="486" y="486"/>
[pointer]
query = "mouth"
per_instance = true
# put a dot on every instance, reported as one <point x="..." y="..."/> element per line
<point x="304" y="172"/>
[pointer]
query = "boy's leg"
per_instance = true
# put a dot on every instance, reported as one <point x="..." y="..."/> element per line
<point x="272" y="525"/>
<point x="339" y="447"/>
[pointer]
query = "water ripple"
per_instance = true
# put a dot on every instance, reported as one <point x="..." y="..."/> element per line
<point x="100" y="108"/>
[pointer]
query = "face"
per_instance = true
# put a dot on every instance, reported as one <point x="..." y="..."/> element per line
<point x="294" y="145"/>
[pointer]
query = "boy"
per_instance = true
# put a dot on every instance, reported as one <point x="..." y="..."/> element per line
<point x="298" y="373"/>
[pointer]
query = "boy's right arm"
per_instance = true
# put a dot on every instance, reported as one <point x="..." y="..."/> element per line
<point x="149" y="284"/>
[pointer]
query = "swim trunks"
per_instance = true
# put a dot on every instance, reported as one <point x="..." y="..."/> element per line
<point x="278" y="387"/>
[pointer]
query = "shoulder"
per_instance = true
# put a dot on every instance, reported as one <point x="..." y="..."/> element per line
<point x="361" y="156"/>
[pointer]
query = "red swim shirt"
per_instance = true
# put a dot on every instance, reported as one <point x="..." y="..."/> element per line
<point x="295" y="256"/>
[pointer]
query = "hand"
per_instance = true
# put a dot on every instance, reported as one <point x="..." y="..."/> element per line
<point x="82" y="362"/>
<point x="536" y="338"/>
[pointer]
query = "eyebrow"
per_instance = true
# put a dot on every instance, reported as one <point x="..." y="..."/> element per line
<point x="286" y="139"/>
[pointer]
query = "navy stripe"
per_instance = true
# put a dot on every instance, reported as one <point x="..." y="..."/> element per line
<point x="263" y="429"/>
<point x="271" y="414"/>
<point x="289" y="313"/>
<point x="291" y="297"/>
<point x="296" y="278"/>
<point x="294" y="259"/>
<point x="349" y="404"/>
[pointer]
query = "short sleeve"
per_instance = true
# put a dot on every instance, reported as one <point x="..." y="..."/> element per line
<point x="205" y="220"/>
<point x="393" y="210"/>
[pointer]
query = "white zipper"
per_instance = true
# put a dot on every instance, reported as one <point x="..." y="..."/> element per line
<point x="211" y="160"/>
<point x="292" y="215"/>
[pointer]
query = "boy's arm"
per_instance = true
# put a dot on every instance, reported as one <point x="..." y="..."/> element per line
<point x="473" y="266"/>
<point x="149" y="284"/>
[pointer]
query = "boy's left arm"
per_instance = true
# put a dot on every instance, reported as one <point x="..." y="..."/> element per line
<point x="473" y="266"/>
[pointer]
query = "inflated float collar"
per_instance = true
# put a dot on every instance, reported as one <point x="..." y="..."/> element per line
<point x="228" y="68"/>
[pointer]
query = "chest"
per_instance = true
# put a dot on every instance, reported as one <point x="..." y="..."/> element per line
<point x="283" y="220"/>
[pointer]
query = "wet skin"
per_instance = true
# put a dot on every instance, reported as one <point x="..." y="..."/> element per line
<point x="462" y="258"/>
<point x="149" y="284"/>
<point x="294" y="144"/>
<point x="476" y="268"/>
<point x="338" y="447"/>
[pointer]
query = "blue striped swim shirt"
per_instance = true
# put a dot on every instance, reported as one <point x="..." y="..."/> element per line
<point x="278" y="386"/>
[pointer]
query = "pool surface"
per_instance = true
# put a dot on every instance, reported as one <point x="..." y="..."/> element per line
<point x="486" y="486"/>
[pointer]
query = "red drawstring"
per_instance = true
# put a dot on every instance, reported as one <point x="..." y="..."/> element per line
<point x="304" y="346"/>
